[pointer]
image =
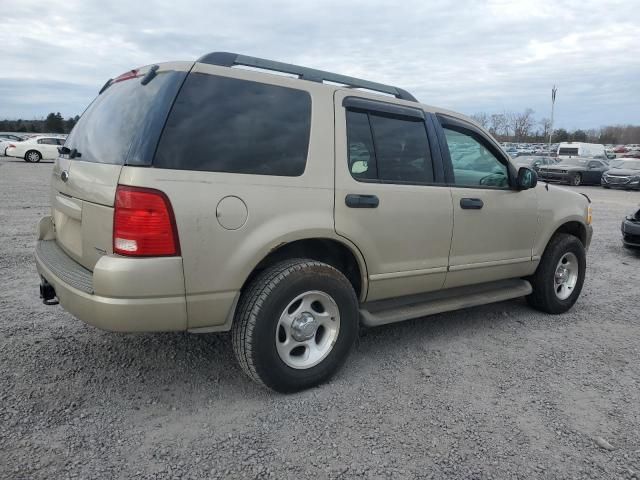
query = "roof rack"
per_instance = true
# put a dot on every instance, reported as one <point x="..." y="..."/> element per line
<point x="226" y="59"/>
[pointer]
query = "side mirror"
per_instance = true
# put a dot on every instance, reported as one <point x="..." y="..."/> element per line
<point x="527" y="178"/>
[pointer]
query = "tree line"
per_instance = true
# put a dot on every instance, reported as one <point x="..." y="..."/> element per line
<point x="506" y="127"/>
<point x="53" y="123"/>
<point x="524" y="127"/>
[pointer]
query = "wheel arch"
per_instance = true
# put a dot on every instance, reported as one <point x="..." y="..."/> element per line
<point x="571" y="226"/>
<point x="575" y="228"/>
<point x="338" y="253"/>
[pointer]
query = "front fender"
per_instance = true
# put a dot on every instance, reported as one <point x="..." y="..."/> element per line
<point x="556" y="208"/>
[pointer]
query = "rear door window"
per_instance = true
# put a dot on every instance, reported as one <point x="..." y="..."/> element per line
<point x="388" y="148"/>
<point x="221" y="124"/>
<point x="402" y="149"/>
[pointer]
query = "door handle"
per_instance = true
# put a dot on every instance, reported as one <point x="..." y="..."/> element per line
<point x="361" y="201"/>
<point x="471" y="203"/>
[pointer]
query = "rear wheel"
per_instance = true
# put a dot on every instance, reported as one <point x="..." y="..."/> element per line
<point x="559" y="277"/>
<point x="576" y="180"/>
<point x="295" y="325"/>
<point x="32" y="156"/>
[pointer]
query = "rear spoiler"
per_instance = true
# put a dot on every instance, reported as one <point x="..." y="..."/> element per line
<point x="151" y="73"/>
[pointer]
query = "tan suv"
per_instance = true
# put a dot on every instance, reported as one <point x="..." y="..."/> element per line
<point x="290" y="210"/>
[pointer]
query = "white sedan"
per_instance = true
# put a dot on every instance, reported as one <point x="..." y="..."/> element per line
<point x="36" y="148"/>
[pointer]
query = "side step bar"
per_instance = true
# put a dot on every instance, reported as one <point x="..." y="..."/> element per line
<point x="381" y="312"/>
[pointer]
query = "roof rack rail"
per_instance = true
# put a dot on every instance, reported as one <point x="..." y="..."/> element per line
<point x="226" y="59"/>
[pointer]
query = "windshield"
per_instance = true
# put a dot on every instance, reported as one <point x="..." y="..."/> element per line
<point x="122" y="125"/>
<point x="578" y="162"/>
<point x="524" y="160"/>
<point x="568" y="151"/>
<point x="629" y="165"/>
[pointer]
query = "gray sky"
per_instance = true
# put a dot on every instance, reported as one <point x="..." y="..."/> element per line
<point x="463" y="55"/>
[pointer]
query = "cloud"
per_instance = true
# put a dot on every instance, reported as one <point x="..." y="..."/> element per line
<point x="467" y="56"/>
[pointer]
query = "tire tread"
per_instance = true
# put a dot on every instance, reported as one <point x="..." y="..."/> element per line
<point x="543" y="298"/>
<point x="251" y="302"/>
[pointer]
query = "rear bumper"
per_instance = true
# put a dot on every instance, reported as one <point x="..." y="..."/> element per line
<point x="121" y="294"/>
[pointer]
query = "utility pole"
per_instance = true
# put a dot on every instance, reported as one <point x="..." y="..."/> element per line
<point x="553" y="102"/>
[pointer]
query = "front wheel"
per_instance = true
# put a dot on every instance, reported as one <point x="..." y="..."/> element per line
<point x="295" y="325"/>
<point x="32" y="156"/>
<point x="558" y="280"/>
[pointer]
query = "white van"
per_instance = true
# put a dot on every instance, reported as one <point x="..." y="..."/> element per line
<point x="579" y="149"/>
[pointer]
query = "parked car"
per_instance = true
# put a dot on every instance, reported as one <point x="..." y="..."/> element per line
<point x="7" y="139"/>
<point x="534" y="162"/>
<point x="289" y="210"/>
<point x="574" y="171"/>
<point x="631" y="230"/>
<point x="625" y="174"/>
<point x="36" y="148"/>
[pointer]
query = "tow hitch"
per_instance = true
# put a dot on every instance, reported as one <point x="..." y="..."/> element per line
<point x="47" y="293"/>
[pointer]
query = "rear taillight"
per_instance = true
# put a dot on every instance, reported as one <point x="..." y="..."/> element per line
<point x="143" y="223"/>
<point x="126" y="76"/>
<point x="11" y="145"/>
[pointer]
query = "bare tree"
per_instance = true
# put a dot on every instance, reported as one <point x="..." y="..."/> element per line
<point x="545" y="123"/>
<point x="498" y="124"/>
<point x="521" y="124"/>
<point x="481" y="118"/>
<point x="593" y="135"/>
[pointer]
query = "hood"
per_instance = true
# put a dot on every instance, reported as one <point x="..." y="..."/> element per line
<point x="623" y="172"/>
<point x="560" y="166"/>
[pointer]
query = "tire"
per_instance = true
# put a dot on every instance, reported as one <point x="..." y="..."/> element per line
<point x="32" y="156"/>
<point x="546" y="295"/>
<point x="576" y="180"/>
<point x="262" y="346"/>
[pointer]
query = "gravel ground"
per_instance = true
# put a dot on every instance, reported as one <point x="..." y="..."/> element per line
<point x="494" y="392"/>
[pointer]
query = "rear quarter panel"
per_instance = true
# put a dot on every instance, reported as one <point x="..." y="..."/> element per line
<point x="217" y="261"/>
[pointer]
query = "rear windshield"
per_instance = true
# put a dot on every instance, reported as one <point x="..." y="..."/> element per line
<point x="568" y="151"/>
<point x="221" y="124"/>
<point x="122" y="125"/>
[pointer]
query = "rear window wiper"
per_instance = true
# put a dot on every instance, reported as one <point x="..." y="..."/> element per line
<point x="150" y="75"/>
<point x="105" y="86"/>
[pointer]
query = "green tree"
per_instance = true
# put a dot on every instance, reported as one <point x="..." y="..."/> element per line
<point x="54" y="123"/>
<point x="579" y="136"/>
<point x="560" y="135"/>
<point x="69" y="124"/>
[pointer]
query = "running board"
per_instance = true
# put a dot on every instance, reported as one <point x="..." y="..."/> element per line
<point x="381" y="312"/>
